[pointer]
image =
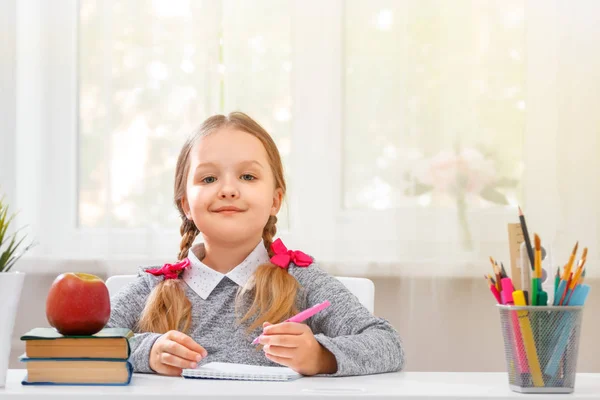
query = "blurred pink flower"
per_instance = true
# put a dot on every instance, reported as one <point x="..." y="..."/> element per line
<point x="449" y="172"/>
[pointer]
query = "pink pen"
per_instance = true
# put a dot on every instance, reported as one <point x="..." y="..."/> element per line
<point x="507" y="299"/>
<point x="304" y="315"/>
<point x="496" y="294"/>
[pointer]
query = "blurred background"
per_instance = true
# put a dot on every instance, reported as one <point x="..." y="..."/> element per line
<point x="410" y="132"/>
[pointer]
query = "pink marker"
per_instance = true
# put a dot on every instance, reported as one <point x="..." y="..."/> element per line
<point x="304" y="315"/>
<point x="507" y="299"/>
<point x="507" y="291"/>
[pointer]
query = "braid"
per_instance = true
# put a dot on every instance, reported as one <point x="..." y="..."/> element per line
<point x="275" y="290"/>
<point x="269" y="232"/>
<point x="188" y="232"/>
<point x="167" y="307"/>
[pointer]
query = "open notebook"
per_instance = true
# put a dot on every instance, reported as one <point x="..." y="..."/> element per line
<point x="219" y="370"/>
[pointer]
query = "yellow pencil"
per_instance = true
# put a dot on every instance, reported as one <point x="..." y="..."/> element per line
<point x="579" y="269"/>
<point x="567" y="270"/>
<point x="496" y="274"/>
<point x="582" y="277"/>
<point x="529" y="341"/>
<point x="538" y="256"/>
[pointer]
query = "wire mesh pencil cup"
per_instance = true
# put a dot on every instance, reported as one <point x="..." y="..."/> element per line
<point x="541" y="344"/>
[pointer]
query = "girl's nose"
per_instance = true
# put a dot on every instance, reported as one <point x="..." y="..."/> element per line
<point x="228" y="195"/>
<point x="229" y="191"/>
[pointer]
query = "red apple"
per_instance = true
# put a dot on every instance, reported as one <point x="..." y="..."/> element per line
<point x="78" y="304"/>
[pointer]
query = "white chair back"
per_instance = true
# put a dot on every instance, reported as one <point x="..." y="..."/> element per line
<point x="362" y="288"/>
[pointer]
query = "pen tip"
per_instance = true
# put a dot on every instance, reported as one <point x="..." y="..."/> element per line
<point x="538" y="241"/>
<point x="520" y="211"/>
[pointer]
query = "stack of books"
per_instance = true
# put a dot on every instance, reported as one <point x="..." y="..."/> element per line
<point x="55" y="359"/>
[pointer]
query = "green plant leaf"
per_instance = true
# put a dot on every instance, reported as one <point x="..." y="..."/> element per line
<point x="5" y="256"/>
<point x="491" y="194"/>
<point x="9" y="243"/>
<point x="4" y="223"/>
<point x="16" y="258"/>
<point x="418" y="189"/>
<point x="505" y="183"/>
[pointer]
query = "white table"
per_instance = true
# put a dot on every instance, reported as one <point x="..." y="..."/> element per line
<point x="407" y="385"/>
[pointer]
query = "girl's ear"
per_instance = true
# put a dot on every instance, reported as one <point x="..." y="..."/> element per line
<point x="186" y="207"/>
<point x="277" y="200"/>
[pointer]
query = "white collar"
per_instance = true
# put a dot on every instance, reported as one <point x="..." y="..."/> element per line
<point x="203" y="280"/>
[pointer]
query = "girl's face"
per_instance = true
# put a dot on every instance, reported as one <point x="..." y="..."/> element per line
<point x="230" y="190"/>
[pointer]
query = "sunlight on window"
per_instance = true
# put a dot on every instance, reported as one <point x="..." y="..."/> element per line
<point x="157" y="71"/>
<point x="378" y="194"/>
<point x="282" y="114"/>
<point x="133" y="136"/>
<point x="150" y="72"/>
<point x="385" y="18"/>
<point x="434" y="103"/>
<point x="171" y="8"/>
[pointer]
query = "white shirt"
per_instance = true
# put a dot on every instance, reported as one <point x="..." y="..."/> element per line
<point x="203" y="280"/>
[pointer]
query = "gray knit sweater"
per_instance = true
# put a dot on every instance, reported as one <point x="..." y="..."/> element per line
<point x="361" y="343"/>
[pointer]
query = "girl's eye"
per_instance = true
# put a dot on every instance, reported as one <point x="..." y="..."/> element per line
<point x="209" y="179"/>
<point x="248" y="177"/>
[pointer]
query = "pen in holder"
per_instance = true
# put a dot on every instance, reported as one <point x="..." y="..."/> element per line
<point x="550" y="344"/>
<point x="525" y="269"/>
<point x="524" y="266"/>
<point x="541" y="337"/>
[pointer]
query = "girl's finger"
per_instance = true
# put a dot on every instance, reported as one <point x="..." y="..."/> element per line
<point x="278" y="351"/>
<point x="280" y="340"/>
<point x="173" y="360"/>
<point x="280" y="360"/>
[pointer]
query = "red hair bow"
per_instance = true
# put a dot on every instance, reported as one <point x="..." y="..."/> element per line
<point x="170" y="271"/>
<point x="283" y="256"/>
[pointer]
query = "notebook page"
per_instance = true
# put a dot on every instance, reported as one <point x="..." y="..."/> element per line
<point x="241" y="371"/>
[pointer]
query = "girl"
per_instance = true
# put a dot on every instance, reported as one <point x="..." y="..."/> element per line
<point x="239" y="284"/>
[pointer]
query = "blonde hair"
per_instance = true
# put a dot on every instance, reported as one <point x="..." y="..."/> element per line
<point x="274" y="291"/>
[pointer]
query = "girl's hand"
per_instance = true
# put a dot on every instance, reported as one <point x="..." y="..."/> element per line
<point x="293" y="344"/>
<point x="173" y="352"/>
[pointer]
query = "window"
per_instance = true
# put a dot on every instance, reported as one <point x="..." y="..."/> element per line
<point x="409" y="130"/>
<point x="146" y="83"/>
<point x="434" y="119"/>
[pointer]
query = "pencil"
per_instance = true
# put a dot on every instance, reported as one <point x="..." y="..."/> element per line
<point x="528" y="340"/>
<point x="556" y="281"/>
<point x="497" y="274"/>
<point x="538" y="256"/>
<point x="583" y="257"/>
<point x="537" y="272"/>
<point x="498" y="280"/>
<point x="579" y="270"/>
<point x="576" y="277"/>
<point x="582" y="277"/>
<point x="487" y="278"/>
<point x="526" y="236"/>
<point x="493" y="289"/>
<point x="504" y="275"/>
<point x="569" y="265"/>
<point x="562" y="298"/>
